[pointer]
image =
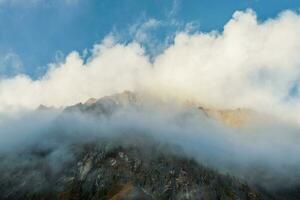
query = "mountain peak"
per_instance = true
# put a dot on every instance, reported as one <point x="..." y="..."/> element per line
<point x="108" y="104"/>
<point x="91" y="101"/>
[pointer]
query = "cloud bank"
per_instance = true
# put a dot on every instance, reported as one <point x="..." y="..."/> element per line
<point x="249" y="64"/>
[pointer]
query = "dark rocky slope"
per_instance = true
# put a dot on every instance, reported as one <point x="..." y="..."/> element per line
<point x="104" y="170"/>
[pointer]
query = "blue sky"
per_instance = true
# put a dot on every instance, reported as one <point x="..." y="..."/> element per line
<point x="34" y="33"/>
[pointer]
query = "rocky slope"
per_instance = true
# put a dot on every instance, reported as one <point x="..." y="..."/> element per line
<point x="104" y="170"/>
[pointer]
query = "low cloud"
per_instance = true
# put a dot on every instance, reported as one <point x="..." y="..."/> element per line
<point x="262" y="154"/>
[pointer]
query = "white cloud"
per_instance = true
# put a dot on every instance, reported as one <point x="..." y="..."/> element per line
<point x="250" y="64"/>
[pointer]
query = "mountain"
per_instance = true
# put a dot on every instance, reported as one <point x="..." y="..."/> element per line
<point x="126" y="166"/>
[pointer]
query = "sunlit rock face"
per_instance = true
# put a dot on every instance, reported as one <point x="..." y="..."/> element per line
<point x="236" y="118"/>
<point x="231" y="117"/>
<point x="107" y="105"/>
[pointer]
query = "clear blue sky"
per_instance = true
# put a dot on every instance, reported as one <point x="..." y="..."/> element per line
<point x="34" y="32"/>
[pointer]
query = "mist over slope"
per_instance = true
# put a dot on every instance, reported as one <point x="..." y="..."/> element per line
<point x="259" y="148"/>
<point x="38" y="148"/>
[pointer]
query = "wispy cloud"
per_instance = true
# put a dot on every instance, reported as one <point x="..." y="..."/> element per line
<point x="174" y="9"/>
<point x="10" y="65"/>
<point x="141" y="31"/>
